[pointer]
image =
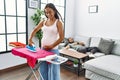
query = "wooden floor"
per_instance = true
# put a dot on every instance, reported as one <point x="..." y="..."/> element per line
<point x="22" y="73"/>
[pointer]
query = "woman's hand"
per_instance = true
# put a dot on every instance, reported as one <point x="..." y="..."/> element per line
<point x="30" y="42"/>
<point x="48" y="47"/>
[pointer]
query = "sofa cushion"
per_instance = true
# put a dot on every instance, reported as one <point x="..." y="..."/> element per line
<point x="105" y="46"/>
<point x="93" y="76"/>
<point x="98" y="54"/>
<point x="84" y="39"/>
<point x="95" y="55"/>
<point x="116" y="47"/>
<point x="94" y="42"/>
<point x="107" y="65"/>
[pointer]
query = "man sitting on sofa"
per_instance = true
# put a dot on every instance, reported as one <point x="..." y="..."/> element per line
<point x="80" y="47"/>
<point x="74" y="44"/>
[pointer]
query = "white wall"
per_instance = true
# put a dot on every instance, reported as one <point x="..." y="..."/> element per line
<point x="9" y="60"/>
<point x="69" y="22"/>
<point x="105" y="23"/>
<point x="31" y="26"/>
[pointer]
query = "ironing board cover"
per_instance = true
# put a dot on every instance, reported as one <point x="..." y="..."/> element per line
<point x="31" y="56"/>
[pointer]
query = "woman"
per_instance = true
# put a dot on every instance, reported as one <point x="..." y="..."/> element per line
<point x="52" y="35"/>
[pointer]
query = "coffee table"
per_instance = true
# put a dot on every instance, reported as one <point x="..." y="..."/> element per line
<point x="74" y="54"/>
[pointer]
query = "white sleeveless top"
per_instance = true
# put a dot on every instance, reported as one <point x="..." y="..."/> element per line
<point x="50" y="34"/>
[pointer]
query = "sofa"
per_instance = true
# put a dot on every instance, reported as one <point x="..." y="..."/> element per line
<point x="106" y="63"/>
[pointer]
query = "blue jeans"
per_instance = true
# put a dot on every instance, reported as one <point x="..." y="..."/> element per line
<point x="50" y="71"/>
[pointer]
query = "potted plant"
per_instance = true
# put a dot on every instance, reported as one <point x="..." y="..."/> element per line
<point x="75" y="63"/>
<point x="37" y="17"/>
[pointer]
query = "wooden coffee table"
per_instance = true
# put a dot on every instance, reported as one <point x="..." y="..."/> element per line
<point x="74" y="54"/>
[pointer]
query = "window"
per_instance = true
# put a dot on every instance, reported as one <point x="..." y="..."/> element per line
<point x="60" y="5"/>
<point x="13" y="21"/>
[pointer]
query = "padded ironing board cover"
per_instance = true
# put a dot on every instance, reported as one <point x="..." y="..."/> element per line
<point x="31" y="56"/>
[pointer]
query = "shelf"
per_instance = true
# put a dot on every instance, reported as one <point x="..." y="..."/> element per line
<point x="70" y="66"/>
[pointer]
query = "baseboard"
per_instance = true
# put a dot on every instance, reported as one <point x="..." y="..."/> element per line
<point x="13" y="68"/>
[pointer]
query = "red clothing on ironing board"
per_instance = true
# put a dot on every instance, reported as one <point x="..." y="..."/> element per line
<point x="31" y="56"/>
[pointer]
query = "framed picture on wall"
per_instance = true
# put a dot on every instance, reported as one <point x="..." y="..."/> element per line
<point x="33" y="4"/>
<point x="93" y="9"/>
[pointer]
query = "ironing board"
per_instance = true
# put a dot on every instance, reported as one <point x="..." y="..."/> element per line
<point x="31" y="58"/>
<point x="40" y="55"/>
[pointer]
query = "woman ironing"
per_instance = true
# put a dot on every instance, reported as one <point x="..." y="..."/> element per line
<point x="52" y="35"/>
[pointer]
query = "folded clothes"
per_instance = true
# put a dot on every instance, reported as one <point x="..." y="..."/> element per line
<point x="17" y="44"/>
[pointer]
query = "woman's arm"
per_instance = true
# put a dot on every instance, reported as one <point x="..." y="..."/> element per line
<point x="61" y="33"/>
<point x="36" y="29"/>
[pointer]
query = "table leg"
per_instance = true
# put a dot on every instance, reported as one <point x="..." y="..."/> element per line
<point x="79" y="67"/>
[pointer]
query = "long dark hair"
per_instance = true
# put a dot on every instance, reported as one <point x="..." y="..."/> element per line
<point x="52" y="6"/>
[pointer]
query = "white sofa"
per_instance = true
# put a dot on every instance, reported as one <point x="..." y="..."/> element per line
<point x="103" y="66"/>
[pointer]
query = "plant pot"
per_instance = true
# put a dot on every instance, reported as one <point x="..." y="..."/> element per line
<point x="75" y="65"/>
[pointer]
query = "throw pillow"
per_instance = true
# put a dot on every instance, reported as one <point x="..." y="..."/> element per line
<point x="105" y="46"/>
